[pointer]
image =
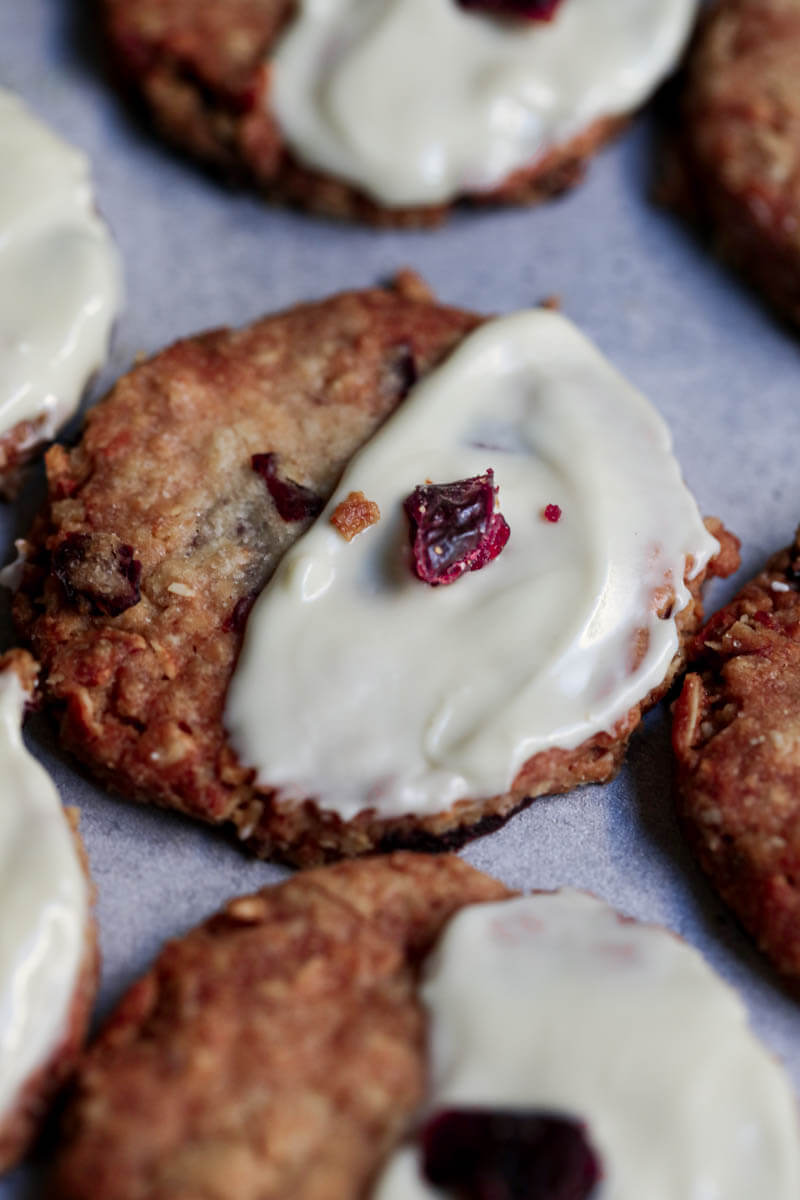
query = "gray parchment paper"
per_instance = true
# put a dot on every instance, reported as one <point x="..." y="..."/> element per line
<point x="721" y="370"/>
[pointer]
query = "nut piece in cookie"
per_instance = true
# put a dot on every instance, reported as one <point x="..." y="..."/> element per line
<point x="59" y="285"/>
<point x="391" y="112"/>
<point x="320" y="1060"/>
<point x="738" y="143"/>
<point x="736" y="736"/>
<point x="48" y="955"/>
<point x="161" y="533"/>
<point x="354" y="514"/>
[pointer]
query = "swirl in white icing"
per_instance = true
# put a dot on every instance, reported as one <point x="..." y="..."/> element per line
<point x="363" y="687"/>
<point x="551" y="1002"/>
<point x="418" y="101"/>
<point x="44" y="903"/>
<point x="59" y="274"/>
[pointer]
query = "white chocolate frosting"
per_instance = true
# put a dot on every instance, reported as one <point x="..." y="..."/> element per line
<point x="419" y="101"/>
<point x="45" y="907"/>
<point x="59" y="274"/>
<point x="363" y="687"/>
<point x="552" y="1002"/>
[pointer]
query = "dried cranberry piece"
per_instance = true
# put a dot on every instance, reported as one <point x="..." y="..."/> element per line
<point x="497" y="1154"/>
<point x="400" y="371"/>
<point x="528" y="10"/>
<point x="454" y="527"/>
<point x="237" y="617"/>
<point x="101" y="568"/>
<point x="293" y="501"/>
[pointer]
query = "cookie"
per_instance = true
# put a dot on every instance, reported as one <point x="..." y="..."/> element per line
<point x="59" y="285"/>
<point x="738" y="142"/>
<point x="429" y="710"/>
<point x="300" y="1043"/>
<point x="390" y="114"/>
<point x="735" y="737"/>
<point x="48" y="952"/>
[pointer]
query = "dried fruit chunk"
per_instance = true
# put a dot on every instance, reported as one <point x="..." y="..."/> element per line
<point x="528" y="10"/>
<point x="496" y="1154"/>
<point x="552" y="513"/>
<point x="293" y="501"/>
<point x="454" y="527"/>
<point x="101" y="568"/>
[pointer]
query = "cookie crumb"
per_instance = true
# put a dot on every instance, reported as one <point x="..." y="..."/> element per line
<point x="411" y="286"/>
<point x="354" y="515"/>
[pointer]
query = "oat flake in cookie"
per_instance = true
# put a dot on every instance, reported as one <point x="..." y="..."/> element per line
<point x="356" y="1017"/>
<point x="47" y="940"/>
<point x="59" y="284"/>
<point x="203" y="468"/>
<point x="393" y="109"/>
<point x="736" y="735"/>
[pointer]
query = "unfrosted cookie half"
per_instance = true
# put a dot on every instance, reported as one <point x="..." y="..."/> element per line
<point x="59" y="285"/>
<point x="391" y="111"/>
<point x="405" y="1027"/>
<point x="370" y="709"/>
<point x="739" y="136"/>
<point x="736" y="731"/>
<point x="48" y="950"/>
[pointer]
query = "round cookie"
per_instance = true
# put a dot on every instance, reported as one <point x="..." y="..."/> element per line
<point x="48" y="952"/>
<point x="735" y="737"/>
<point x="59" y="285"/>
<point x="165" y="522"/>
<point x="299" y="1043"/>
<point x="739" y="139"/>
<point x="275" y="92"/>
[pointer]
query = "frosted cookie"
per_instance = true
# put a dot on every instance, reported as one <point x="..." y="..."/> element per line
<point x="393" y="110"/>
<point x="404" y="1027"/>
<point x="48" y="954"/>
<point x="736" y="730"/>
<point x="59" y="284"/>
<point x="388" y="710"/>
<point x="741" y="110"/>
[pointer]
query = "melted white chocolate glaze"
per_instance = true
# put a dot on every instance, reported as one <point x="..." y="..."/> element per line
<point x="552" y="1002"/>
<point x="419" y="101"/>
<point x="59" y="274"/>
<point x="45" y="906"/>
<point x="363" y="687"/>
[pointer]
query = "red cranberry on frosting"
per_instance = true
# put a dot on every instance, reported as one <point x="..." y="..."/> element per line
<point x="497" y="1154"/>
<point x="526" y="10"/>
<point x="454" y="528"/>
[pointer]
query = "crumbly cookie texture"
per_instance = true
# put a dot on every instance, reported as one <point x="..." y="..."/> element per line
<point x="739" y="141"/>
<point x="159" y="533"/>
<point x="300" y="1043"/>
<point x="736" y="736"/>
<point x="277" y="1050"/>
<point x="20" y="1125"/>
<point x="202" y="73"/>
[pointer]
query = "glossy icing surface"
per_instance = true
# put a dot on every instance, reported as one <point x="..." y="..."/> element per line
<point x="552" y="1002"/>
<point x="417" y="101"/>
<point x="44" y="902"/>
<point x="59" y="274"/>
<point x="363" y="687"/>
